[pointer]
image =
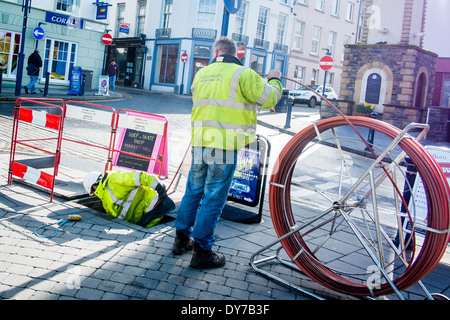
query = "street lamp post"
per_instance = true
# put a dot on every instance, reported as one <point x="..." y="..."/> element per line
<point x="26" y="7"/>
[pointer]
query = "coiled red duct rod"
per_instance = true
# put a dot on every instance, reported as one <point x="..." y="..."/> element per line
<point x="436" y="189"/>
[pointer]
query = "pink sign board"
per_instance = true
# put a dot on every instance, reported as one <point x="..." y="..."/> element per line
<point x="142" y="142"/>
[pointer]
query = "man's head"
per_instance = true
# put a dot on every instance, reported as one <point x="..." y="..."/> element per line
<point x="224" y="45"/>
<point x="91" y="181"/>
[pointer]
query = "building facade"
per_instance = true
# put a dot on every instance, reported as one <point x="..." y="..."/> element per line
<point x="321" y="28"/>
<point x="164" y="30"/>
<point x="72" y="37"/>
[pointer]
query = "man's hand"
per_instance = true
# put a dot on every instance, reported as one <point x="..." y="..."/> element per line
<point x="274" y="74"/>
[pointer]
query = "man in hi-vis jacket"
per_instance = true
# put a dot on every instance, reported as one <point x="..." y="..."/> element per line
<point x="225" y="97"/>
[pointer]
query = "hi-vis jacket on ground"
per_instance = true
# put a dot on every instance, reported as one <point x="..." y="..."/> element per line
<point x="225" y="96"/>
<point x="128" y="195"/>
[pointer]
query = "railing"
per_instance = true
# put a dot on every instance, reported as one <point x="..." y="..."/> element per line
<point x="240" y="39"/>
<point x="204" y="33"/>
<point x="261" y="44"/>
<point x="163" y="33"/>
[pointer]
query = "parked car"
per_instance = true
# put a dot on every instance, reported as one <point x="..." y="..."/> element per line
<point x="306" y="96"/>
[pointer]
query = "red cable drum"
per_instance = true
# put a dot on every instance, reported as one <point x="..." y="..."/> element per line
<point x="437" y="194"/>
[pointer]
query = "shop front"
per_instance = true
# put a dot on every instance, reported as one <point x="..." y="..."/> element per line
<point x="129" y="55"/>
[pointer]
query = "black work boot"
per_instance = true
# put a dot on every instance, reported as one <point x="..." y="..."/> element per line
<point x="202" y="259"/>
<point x="182" y="243"/>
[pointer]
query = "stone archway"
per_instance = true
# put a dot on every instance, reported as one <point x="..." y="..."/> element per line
<point x="365" y="79"/>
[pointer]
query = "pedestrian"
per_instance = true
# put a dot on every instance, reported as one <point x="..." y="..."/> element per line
<point x="225" y="95"/>
<point x="133" y="196"/>
<point x="113" y="73"/>
<point x="34" y="65"/>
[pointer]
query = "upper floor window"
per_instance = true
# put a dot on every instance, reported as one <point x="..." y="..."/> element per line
<point x="320" y="4"/>
<point x="64" y="5"/>
<point x="298" y="34"/>
<point x="142" y="5"/>
<point x="331" y="42"/>
<point x="335" y="8"/>
<point x="120" y="19"/>
<point x="240" y="18"/>
<point x="206" y="14"/>
<point x="350" y="11"/>
<point x="167" y="13"/>
<point x="262" y="23"/>
<point x="315" y="39"/>
<point x="281" y="28"/>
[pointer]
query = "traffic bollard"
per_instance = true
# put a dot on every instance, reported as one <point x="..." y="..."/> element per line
<point x="47" y="80"/>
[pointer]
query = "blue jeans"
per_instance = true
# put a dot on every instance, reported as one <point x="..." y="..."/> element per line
<point x="207" y="187"/>
<point x="31" y="84"/>
<point x="112" y="82"/>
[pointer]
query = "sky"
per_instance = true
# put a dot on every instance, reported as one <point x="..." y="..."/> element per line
<point x="437" y="27"/>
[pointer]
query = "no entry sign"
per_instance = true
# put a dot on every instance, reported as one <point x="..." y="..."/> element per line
<point x="184" y="57"/>
<point x="241" y="52"/>
<point x="107" y="39"/>
<point x="326" y="63"/>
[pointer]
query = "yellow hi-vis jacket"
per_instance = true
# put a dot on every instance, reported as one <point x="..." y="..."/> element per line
<point x="128" y="195"/>
<point x="225" y="96"/>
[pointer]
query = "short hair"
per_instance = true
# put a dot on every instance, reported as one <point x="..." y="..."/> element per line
<point x="226" y="45"/>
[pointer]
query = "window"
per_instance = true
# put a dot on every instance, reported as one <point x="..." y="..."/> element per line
<point x="60" y="57"/>
<point x="262" y="23"/>
<point x="257" y="63"/>
<point x="9" y="51"/>
<point x="331" y="42"/>
<point x="206" y="14"/>
<point x="166" y="63"/>
<point x="335" y="8"/>
<point x="350" y="9"/>
<point x="315" y="76"/>
<point x="305" y="2"/>
<point x="120" y="19"/>
<point x="320" y="4"/>
<point x="299" y="75"/>
<point x="142" y="5"/>
<point x="330" y="82"/>
<point x="167" y="13"/>
<point x="315" y="40"/>
<point x="281" y="28"/>
<point x="64" y="5"/>
<point x="298" y="34"/>
<point x="240" y="19"/>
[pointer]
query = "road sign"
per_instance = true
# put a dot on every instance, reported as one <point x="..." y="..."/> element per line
<point x="326" y="63"/>
<point x="184" y="57"/>
<point x="241" y="52"/>
<point x="107" y="39"/>
<point x="38" y="33"/>
<point x="232" y="6"/>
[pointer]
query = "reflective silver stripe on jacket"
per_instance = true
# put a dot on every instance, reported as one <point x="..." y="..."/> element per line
<point x="137" y="180"/>
<point x="222" y="125"/>
<point x="224" y="103"/>
<point x="234" y="83"/>
<point x="127" y="204"/>
<point x="152" y="204"/>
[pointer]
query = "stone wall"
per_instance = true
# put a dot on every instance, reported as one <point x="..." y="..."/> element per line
<point x="346" y="107"/>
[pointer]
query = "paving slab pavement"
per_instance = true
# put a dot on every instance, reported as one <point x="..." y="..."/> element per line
<point x="99" y="258"/>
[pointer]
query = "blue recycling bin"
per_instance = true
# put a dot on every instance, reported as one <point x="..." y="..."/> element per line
<point x="75" y="81"/>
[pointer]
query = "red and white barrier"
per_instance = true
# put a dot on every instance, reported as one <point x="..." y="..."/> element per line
<point x="33" y="175"/>
<point x="40" y="118"/>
